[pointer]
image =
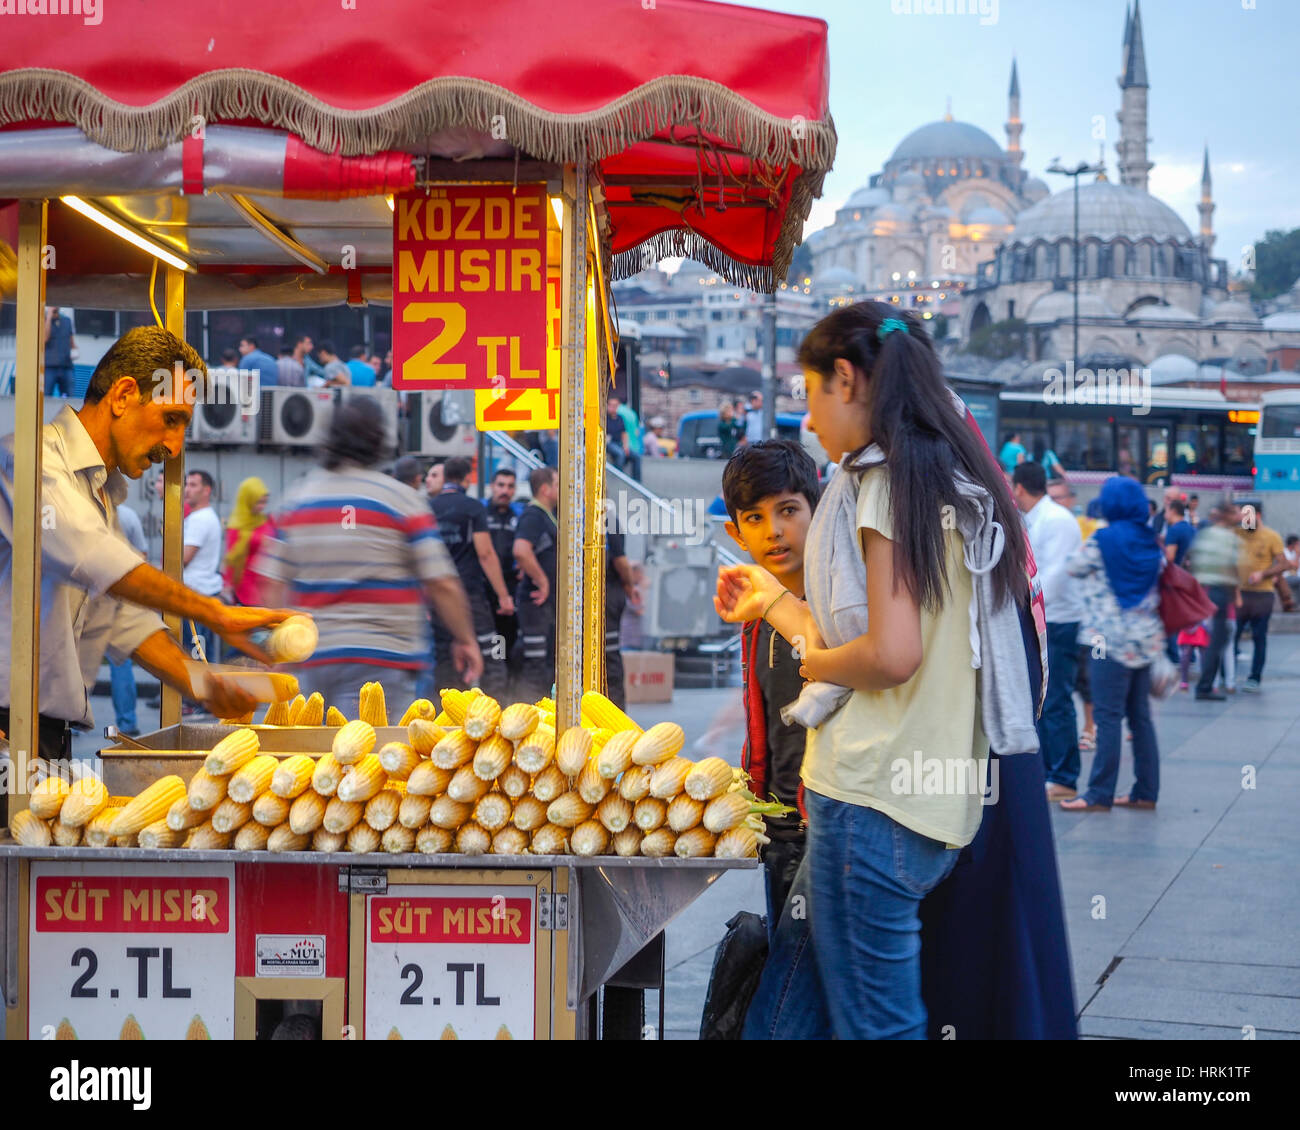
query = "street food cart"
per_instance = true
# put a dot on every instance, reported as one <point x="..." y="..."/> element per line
<point x="650" y="130"/>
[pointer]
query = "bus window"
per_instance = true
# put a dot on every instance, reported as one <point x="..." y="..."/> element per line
<point x="1238" y="448"/>
<point x="1085" y="445"/>
<point x="1281" y="421"/>
<point x="1128" y="459"/>
<point x="1157" y="466"/>
<point x="1197" y="449"/>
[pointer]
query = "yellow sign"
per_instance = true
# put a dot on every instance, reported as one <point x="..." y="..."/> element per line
<point x="505" y="409"/>
<point x="1242" y="416"/>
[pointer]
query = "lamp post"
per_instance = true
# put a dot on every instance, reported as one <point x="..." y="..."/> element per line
<point x="1074" y="174"/>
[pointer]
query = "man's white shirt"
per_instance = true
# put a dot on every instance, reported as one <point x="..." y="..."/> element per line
<point x="1055" y="537"/>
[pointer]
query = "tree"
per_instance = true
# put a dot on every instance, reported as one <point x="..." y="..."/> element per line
<point x="939" y="327"/>
<point x="1277" y="264"/>
<point x="999" y="340"/>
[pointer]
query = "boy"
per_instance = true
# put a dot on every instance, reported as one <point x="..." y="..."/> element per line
<point x="770" y="489"/>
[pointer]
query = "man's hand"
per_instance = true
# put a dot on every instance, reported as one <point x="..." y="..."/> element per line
<point x="543" y="590"/>
<point x="506" y="605"/>
<point x="1255" y="577"/>
<point x="226" y="699"/>
<point x="633" y="598"/>
<point x="233" y="624"/>
<point x="468" y="660"/>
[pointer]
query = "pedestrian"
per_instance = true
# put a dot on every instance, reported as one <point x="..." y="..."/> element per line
<point x="1213" y="562"/>
<point x="731" y="429"/>
<point x="433" y="480"/>
<point x="1193" y="512"/>
<point x="462" y="524"/>
<point x="313" y="374"/>
<point x="122" y="671"/>
<point x="502" y="516"/>
<point x="535" y="548"/>
<point x="1291" y="551"/>
<point x="361" y="552"/>
<point x="754" y="418"/>
<point x="1119" y="575"/>
<point x="635" y="443"/>
<point x="409" y="470"/>
<point x="618" y="445"/>
<point x="1192" y="640"/>
<point x="333" y="369"/>
<point x="363" y="373"/>
<point x="1262" y="559"/>
<point x="620" y="594"/>
<point x="290" y="371"/>
<point x="201" y="553"/>
<point x="1012" y="453"/>
<point x="248" y="530"/>
<point x="60" y="345"/>
<point x="252" y="357"/>
<point x="1055" y="539"/>
<point x="1177" y="540"/>
<point x="654" y="448"/>
<point x="1051" y="464"/>
<point x="1159" y="513"/>
<point x="891" y="670"/>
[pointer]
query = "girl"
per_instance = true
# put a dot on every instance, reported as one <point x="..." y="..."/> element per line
<point x="891" y="652"/>
<point x="246" y="533"/>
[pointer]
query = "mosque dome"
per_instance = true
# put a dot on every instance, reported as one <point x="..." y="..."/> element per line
<point x="947" y="139"/>
<point x="1106" y="211"/>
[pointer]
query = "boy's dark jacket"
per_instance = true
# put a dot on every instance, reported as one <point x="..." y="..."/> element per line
<point x="754" y="758"/>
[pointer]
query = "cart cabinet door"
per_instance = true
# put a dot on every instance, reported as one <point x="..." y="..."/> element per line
<point x="454" y="960"/>
<point x="131" y="951"/>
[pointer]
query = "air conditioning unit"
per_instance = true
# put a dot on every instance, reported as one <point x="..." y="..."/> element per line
<point x="228" y="412"/>
<point x="388" y="400"/>
<point x="296" y="417"/>
<point x="441" y="424"/>
<point x="683" y="580"/>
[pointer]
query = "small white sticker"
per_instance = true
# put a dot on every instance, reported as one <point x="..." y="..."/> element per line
<point x="290" y="955"/>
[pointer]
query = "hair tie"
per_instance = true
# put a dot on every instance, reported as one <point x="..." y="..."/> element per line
<point x="888" y="326"/>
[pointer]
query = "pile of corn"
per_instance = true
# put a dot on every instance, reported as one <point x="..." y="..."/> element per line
<point x="473" y="778"/>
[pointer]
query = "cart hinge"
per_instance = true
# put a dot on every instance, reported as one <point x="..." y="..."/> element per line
<point x="363" y="880"/>
<point x="561" y="912"/>
<point x="545" y="909"/>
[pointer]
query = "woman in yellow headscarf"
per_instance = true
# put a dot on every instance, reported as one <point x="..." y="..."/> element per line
<point x="246" y="532"/>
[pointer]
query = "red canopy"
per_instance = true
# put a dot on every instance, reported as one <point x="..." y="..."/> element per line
<point x="707" y="123"/>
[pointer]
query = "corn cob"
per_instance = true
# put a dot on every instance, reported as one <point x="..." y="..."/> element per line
<point x="133" y="840"/>
<point x="205" y="791"/>
<point x="150" y="805"/>
<point x="233" y="752"/>
<point x="206" y="838"/>
<point x="605" y="714"/>
<point x="382" y="809"/>
<point x="251" y="837"/>
<point x="326" y="775"/>
<point x="307" y="812"/>
<point x="545" y="705"/>
<point x="492" y="757"/>
<point x="131" y="1029"/>
<point x="482" y="716"/>
<point x="628" y="841"/>
<point x="341" y="815"/>
<point x="398" y="839"/>
<point x="197" y="1029"/>
<point x="46" y="798"/>
<point x="454" y="705"/>
<point x="510" y="841"/>
<point x="514" y="782"/>
<point x="427" y="779"/>
<point x="242" y="720"/>
<point x="65" y="835"/>
<point x="296" y="706"/>
<point x="456" y="748"/>
<point x="535" y="752"/>
<point x="95" y="833"/>
<point x="658" y="843"/>
<point x="710" y="777"/>
<point x="252" y="779"/>
<point x="684" y="812"/>
<point x="292" y="777"/>
<point x="614" y="812"/>
<point x="86" y="799"/>
<point x="353" y="742"/>
<point x="398" y="759"/>
<point x="726" y="811"/>
<point x="322" y="840"/>
<point x="589" y="838"/>
<point x="662" y="741"/>
<point x="569" y="811"/>
<point x="518" y="721"/>
<point x="313" y="711"/>
<point x="599" y="737"/>
<point x="492" y="812"/>
<point x="373" y="707"/>
<point x="363" y="839"/>
<point x="615" y="755"/>
<point x="29" y="830"/>
<point x="549" y="784"/>
<point x="335" y="717"/>
<point x="271" y="810"/>
<point x="572" y="751"/>
<point x="695" y="844"/>
<point x="546" y="718"/>
<point x="159" y="835"/>
<point x="283" y="686"/>
<point x="277" y="714"/>
<point x="649" y="814"/>
<point x="432" y="840"/>
<point x="443" y="719"/>
<point x="423" y="735"/>
<point x="448" y="813"/>
<point x="529" y="814"/>
<point x="550" y="840"/>
<point x="231" y="815"/>
<point x="284" y="838"/>
<point x="413" y="812"/>
<point x="669" y="776"/>
<point x="181" y="817"/>
<point x="591" y="785"/>
<point x="634" y="785"/>
<point x="740" y="842"/>
<point x="420" y="708"/>
<point x="65" y="1030"/>
<point x="465" y="786"/>
<point x="362" y="780"/>
<point x="473" y="840"/>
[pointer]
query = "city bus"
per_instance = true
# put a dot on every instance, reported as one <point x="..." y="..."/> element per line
<point x="1191" y="438"/>
<point x="1277" y="446"/>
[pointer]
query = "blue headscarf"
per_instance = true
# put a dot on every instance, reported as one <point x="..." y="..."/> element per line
<point x="1128" y="545"/>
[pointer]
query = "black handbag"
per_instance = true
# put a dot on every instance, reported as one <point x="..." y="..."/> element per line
<point x="737" y="966"/>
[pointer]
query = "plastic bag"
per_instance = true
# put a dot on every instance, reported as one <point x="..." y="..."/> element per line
<point x="737" y="966"/>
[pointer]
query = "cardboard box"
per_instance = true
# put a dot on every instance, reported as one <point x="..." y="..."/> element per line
<point x="648" y="676"/>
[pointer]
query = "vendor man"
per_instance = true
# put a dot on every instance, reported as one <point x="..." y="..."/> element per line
<point x="96" y="593"/>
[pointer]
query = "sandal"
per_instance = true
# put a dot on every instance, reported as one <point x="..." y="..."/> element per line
<point x="1127" y="802"/>
<point x="1088" y="740"/>
<point x="1079" y="804"/>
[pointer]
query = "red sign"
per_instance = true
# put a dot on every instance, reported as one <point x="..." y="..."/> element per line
<point x="469" y="295"/>
<point x="118" y="904"/>
<point x="499" y="920"/>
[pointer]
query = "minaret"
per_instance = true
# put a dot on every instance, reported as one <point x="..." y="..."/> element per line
<point x="1134" y="166"/>
<point x="1206" y="206"/>
<point x="1014" y="125"/>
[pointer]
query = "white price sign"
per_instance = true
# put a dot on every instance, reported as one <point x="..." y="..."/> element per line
<point x="131" y="951"/>
<point x="452" y="962"/>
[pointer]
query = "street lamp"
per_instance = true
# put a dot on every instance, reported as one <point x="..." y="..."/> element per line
<point x="1074" y="174"/>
